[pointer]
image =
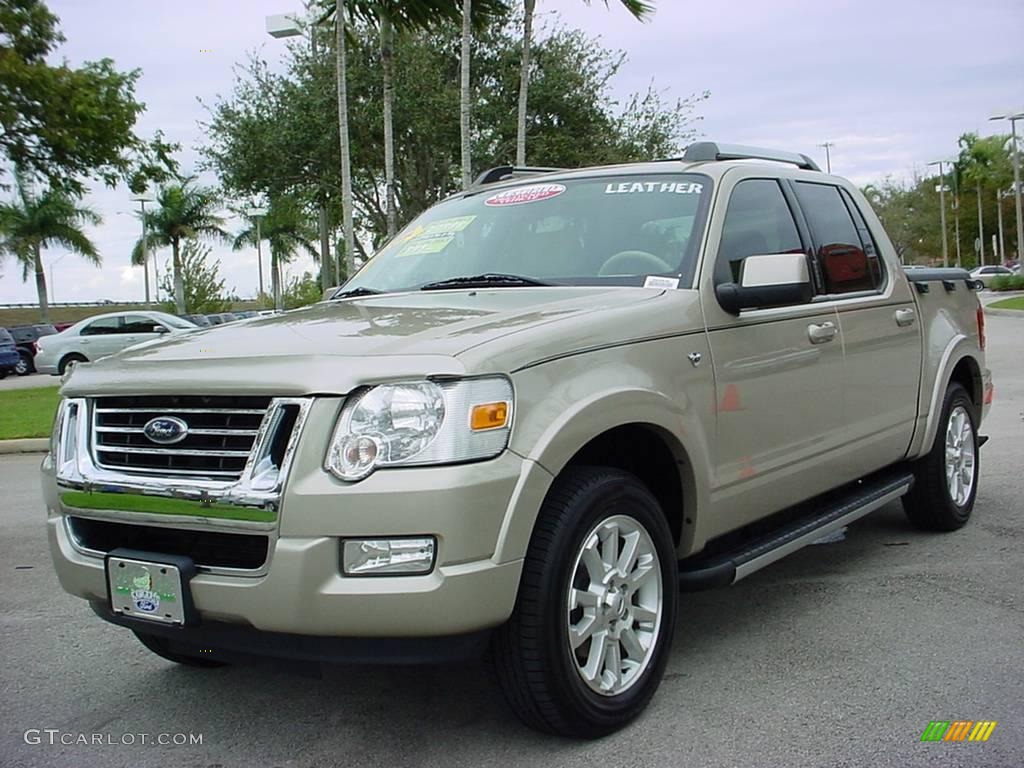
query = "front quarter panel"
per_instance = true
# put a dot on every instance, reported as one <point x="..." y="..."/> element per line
<point x="565" y="403"/>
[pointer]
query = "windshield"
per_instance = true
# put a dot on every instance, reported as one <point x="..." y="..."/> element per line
<point x="607" y="230"/>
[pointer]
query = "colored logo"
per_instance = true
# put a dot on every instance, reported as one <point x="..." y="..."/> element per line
<point x="520" y="195"/>
<point x="958" y="730"/>
<point x="165" y="430"/>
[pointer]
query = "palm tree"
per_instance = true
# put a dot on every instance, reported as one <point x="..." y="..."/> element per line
<point x="183" y="210"/>
<point x="288" y="230"/>
<point x="640" y="10"/>
<point x="32" y="222"/>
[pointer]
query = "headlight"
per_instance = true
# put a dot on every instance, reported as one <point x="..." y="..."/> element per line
<point x="419" y="423"/>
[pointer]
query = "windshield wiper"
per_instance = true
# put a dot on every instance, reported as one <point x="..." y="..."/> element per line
<point x="360" y="291"/>
<point x="486" y="280"/>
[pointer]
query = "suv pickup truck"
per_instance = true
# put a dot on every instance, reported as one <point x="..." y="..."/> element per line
<point x="546" y="406"/>
<point x="26" y="338"/>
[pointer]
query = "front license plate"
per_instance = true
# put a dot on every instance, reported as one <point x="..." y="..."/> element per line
<point x="146" y="590"/>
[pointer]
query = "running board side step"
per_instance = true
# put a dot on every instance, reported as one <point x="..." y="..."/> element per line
<point x="823" y="515"/>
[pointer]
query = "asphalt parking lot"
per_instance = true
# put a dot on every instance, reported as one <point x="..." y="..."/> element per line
<point x="837" y="656"/>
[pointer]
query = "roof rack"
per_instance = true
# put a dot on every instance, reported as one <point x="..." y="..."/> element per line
<point x="505" y="172"/>
<point x="705" y="151"/>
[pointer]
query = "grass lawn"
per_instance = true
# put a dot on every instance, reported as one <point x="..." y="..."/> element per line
<point x="27" y="412"/>
<point x="1017" y="302"/>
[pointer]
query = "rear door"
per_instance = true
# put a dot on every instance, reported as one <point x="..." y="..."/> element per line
<point x="778" y="371"/>
<point x="879" y="324"/>
<point x="101" y="337"/>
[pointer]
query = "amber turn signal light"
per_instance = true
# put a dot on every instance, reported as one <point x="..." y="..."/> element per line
<point x="488" y="416"/>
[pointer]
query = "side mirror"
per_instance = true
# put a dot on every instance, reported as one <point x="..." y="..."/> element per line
<point x="160" y="330"/>
<point x="767" y="281"/>
<point x="329" y="292"/>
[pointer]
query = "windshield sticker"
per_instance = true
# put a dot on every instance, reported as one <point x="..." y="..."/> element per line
<point x="674" y="187"/>
<point x="520" y="195"/>
<point x="654" y="281"/>
<point x="432" y="238"/>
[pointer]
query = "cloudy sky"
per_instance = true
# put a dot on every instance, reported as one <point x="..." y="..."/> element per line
<point x="892" y="83"/>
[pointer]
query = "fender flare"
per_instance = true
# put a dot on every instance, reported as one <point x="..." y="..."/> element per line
<point x="959" y="348"/>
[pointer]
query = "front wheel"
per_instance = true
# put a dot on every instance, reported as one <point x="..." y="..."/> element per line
<point x="946" y="478"/>
<point x="588" y="640"/>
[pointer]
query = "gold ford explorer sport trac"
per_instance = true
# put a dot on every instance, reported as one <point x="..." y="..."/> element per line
<point x="548" y="405"/>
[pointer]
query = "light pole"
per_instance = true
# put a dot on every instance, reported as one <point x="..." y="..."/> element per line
<point x="942" y="211"/>
<point x="257" y="213"/>
<point x="283" y="25"/>
<point x="828" y="155"/>
<point x="142" y="199"/>
<point x="1013" y="117"/>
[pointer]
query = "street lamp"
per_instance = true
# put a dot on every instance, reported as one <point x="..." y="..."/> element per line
<point x="286" y="25"/>
<point x="142" y="199"/>
<point x="1013" y="117"/>
<point x="828" y="155"/>
<point x="257" y="213"/>
<point x="942" y="211"/>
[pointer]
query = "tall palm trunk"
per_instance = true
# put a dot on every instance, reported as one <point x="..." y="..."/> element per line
<point x="179" y="278"/>
<point x="346" y="158"/>
<point x="44" y="303"/>
<point x="387" y="59"/>
<point x="464" y="106"/>
<point x="275" y="279"/>
<point x="524" y="81"/>
<point x="326" y="278"/>
<point x="981" y="230"/>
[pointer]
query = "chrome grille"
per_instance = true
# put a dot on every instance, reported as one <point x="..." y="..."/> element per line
<point x="221" y="434"/>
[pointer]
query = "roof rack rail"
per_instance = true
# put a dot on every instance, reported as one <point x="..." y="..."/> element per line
<point x="505" y="172"/>
<point x="704" y="151"/>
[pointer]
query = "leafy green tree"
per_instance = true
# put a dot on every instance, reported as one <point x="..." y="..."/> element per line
<point x="63" y="124"/>
<point x="277" y="133"/>
<point x="33" y="221"/>
<point x="204" y="287"/>
<point x="984" y="165"/>
<point x="288" y="230"/>
<point x="640" y="10"/>
<point x="182" y="211"/>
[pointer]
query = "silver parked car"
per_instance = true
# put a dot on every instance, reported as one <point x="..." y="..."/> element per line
<point x="987" y="274"/>
<point x="103" y="335"/>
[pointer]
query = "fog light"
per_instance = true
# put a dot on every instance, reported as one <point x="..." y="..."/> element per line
<point x="369" y="557"/>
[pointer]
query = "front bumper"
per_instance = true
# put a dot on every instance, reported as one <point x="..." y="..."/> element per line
<point x="302" y="590"/>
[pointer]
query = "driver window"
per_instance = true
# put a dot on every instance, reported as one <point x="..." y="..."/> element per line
<point x="758" y="221"/>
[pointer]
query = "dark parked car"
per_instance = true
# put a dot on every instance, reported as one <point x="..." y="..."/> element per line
<point x="219" y="318"/>
<point x="25" y="338"/>
<point x="9" y="356"/>
<point x="201" y="320"/>
<point x="245" y="314"/>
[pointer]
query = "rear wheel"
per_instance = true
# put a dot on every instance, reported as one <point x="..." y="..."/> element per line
<point x="24" y="366"/>
<point x="161" y="647"/>
<point x="588" y="640"/>
<point x="70" y="360"/>
<point x="946" y="479"/>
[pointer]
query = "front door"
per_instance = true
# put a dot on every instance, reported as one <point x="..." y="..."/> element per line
<point x="778" y="371"/>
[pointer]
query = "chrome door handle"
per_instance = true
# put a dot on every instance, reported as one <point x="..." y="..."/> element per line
<point x="904" y="317"/>
<point x="819" y="334"/>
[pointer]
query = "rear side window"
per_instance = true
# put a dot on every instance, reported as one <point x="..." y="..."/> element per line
<point x="102" y="327"/>
<point x="846" y="255"/>
<point x="757" y="222"/>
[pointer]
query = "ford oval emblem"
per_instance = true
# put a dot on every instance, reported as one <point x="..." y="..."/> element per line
<point x="165" y="430"/>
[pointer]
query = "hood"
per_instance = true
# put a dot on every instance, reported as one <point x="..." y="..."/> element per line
<point x="335" y="346"/>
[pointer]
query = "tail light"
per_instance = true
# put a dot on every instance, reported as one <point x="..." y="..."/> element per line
<point x="981" y="328"/>
<point x="34" y="347"/>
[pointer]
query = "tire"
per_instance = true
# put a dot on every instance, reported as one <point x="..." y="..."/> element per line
<point x="3" y="373"/>
<point x="550" y="686"/>
<point x="938" y="502"/>
<point x="161" y="647"/>
<point x="24" y="366"/>
<point x="72" y="359"/>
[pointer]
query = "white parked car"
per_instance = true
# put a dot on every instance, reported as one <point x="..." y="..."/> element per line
<point x="103" y="335"/>
<point x="989" y="273"/>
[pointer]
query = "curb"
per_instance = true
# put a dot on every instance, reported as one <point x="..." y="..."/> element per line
<point x="25" y="445"/>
